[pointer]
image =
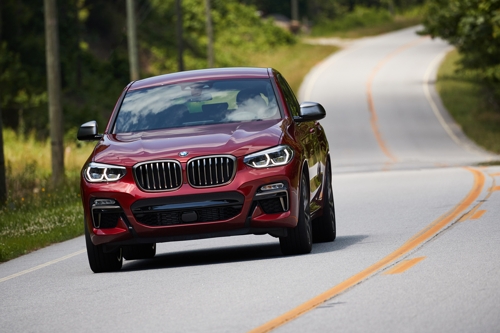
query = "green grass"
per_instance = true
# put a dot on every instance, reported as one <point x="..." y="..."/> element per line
<point x="37" y="214"/>
<point x="31" y="229"/>
<point x="364" y="22"/>
<point x="474" y="104"/>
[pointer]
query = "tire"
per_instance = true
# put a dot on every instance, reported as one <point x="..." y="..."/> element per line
<point x="99" y="260"/>
<point x="324" y="227"/>
<point x="299" y="239"/>
<point x="140" y="251"/>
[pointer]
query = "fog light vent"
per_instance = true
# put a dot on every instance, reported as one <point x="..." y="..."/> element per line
<point x="105" y="213"/>
<point x="272" y="187"/>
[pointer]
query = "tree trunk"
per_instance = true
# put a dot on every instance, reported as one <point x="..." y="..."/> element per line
<point x="3" y="179"/>
<point x="210" y="34"/>
<point x="132" y="41"/>
<point x="180" y="44"/>
<point x="54" y="91"/>
<point x="295" y="10"/>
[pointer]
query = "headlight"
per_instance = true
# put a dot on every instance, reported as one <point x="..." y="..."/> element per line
<point x="97" y="172"/>
<point x="276" y="156"/>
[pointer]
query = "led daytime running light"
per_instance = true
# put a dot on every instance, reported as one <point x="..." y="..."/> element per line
<point x="97" y="172"/>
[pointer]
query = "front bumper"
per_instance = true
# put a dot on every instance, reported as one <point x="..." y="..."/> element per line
<point x="238" y="208"/>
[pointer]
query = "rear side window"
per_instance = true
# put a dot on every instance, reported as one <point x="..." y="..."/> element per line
<point x="197" y="103"/>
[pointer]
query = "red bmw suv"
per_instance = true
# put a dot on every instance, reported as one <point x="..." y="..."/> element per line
<point x="206" y="153"/>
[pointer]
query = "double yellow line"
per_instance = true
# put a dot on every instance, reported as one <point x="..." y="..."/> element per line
<point x="371" y="104"/>
<point x="419" y="239"/>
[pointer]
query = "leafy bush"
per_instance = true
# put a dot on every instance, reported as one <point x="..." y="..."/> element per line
<point x="358" y="18"/>
<point x="238" y="29"/>
<point x="473" y="26"/>
<point x="93" y="52"/>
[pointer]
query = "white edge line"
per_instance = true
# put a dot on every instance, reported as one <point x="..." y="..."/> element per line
<point x="433" y="105"/>
<point x="29" y="270"/>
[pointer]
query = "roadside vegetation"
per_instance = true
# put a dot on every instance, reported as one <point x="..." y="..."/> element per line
<point x="367" y="21"/>
<point x="469" y="78"/>
<point x="37" y="214"/>
<point x="473" y="103"/>
<point x="94" y="68"/>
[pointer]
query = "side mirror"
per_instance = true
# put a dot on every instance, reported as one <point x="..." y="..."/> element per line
<point x="311" y="111"/>
<point x="88" y="132"/>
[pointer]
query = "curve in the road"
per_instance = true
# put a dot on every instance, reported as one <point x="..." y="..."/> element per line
<point x="371" y="104"/>
<point x="382" y="113"/>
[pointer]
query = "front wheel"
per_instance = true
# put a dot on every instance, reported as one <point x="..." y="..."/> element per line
<point x="99" y="260"/>
<point x="299" y="239"/>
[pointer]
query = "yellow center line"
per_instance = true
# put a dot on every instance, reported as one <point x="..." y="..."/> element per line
<point x="475" y="213"/>
<point x="427" y="233"/>
<point x="29" y="270"/>
<point x="371" y="105"/>
<point x="404" y="266"/>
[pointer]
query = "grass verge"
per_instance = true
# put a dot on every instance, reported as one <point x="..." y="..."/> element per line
<point x="474" y="104"/>
<point x="363" y="22"/>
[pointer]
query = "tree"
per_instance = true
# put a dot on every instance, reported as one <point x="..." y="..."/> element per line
<point x="473" y="27"/>
<point x="132" y="41"/>
<point x="54" y="91"/>
<point x="210" y="34"/>
<point x="179" y="34"/>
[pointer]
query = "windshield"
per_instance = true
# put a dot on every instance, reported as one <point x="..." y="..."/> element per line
<point x="197" y="103"/>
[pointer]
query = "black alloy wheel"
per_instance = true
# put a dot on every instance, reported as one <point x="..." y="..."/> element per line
<point x="299" y="239"/>
<point x="324" y="227"/>
<point x="99" y="260"/>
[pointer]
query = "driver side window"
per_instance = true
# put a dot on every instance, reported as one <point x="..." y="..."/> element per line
<point x="291" y="100"/>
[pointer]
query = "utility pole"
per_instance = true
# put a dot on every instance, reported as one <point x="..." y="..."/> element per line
<point x="132" y="41"/>
<point x="180" y="44"/>
<point x="210" y="34"/>
<point x="54" y="91"/>
<point x="295" y="10"/>
<point x="295" y="24"/>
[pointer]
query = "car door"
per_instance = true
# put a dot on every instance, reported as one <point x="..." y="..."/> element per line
<point x="308" y="132"/>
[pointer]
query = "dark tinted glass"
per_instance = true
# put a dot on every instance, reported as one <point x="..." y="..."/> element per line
<point x="197" y="103"/>
<point x="290" y="98"/>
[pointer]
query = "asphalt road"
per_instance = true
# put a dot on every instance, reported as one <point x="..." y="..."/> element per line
<point x="418" y="234"/>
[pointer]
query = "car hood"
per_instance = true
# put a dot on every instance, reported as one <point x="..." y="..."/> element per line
<point x="235" y="139"/>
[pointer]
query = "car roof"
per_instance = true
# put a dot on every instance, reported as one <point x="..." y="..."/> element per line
<point x="202" y="75"/>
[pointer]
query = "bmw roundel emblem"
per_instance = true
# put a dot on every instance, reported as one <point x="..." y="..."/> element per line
<point x="183" y="154"/>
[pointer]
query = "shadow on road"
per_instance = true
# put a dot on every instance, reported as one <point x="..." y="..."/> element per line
<point x="228" y="254"/>
<point x="340" y="243"/>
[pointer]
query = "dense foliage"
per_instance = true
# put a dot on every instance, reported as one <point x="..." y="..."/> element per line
<point x="326" y="10"/>
<point x="473" y="26"/>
